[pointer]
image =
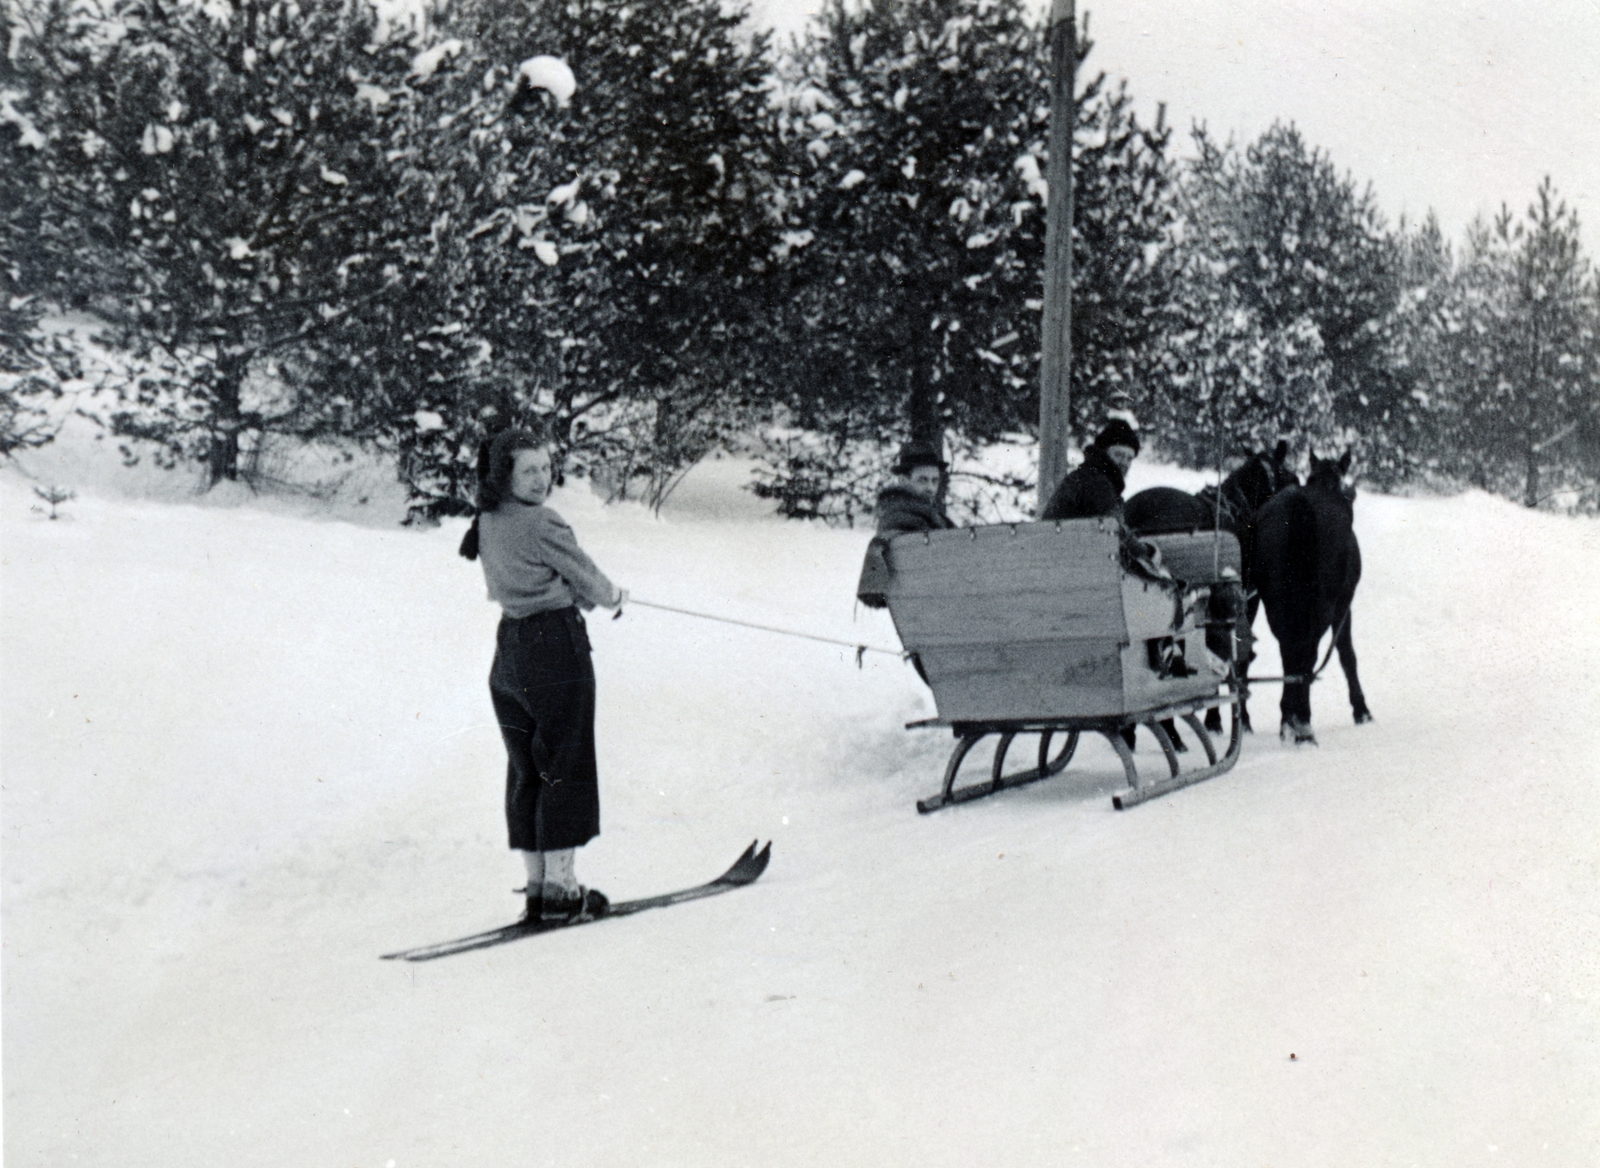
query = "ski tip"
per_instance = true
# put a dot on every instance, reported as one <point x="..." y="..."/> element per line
<point x="758" y="862"/>
<point x="749" y="865"/>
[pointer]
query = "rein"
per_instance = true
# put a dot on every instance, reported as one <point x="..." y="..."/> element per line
<point x="1300" y="678"/>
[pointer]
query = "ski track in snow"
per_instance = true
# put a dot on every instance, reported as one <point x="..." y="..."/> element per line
<point x="247" y="748"/>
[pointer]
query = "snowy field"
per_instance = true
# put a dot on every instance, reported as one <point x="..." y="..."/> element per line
<point x="248" y="747"/>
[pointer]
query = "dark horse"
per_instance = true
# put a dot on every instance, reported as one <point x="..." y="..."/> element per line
<point x="1233" y="507"/>
<point x="1306" y="566"/>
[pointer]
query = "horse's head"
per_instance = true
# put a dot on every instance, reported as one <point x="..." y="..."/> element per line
<point x="1262" y="476"/>
<point x="1327" y="474"/>
<point x="1276" y="462"/>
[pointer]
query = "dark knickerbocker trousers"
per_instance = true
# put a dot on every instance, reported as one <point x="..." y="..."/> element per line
<point x="542" y="684"/>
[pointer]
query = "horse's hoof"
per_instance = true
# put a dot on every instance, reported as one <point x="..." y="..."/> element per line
<point x="1363" y="716"/>
<point x="1296" y="731"/>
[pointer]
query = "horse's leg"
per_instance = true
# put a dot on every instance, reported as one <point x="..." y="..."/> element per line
<point x="1227" y="605"/>
<point x="1248" y="655"/>
<point x="1347" y="662"/>
<point x="1171" y="727"/>
<point x="1299" y="661"/>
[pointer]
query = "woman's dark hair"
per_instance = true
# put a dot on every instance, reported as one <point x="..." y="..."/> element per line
<point x="496" y="458"/>
<point x="494" y="487"/>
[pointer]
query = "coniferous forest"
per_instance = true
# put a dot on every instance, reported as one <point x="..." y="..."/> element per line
<point x="293" y="220"/>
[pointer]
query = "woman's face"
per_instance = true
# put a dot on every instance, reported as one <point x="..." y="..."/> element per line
<point x="530" y="476"/>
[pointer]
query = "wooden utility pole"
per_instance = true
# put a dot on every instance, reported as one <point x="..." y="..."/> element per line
<point x="1055" y="365"/>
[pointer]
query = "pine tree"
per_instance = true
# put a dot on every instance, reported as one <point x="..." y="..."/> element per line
<point x="1288" y="274"/>
<point x="33" y="368"/>
<point x="1524" y="352"/>
<point x="912" y="193"/>
<point x="32" y="364"/>
<point x="468" y="198"/>
<point x="1406" y="439"/>
<point x="616" y="249"/>
<point x="215" y="177"/>
<point x="915" y="204"/>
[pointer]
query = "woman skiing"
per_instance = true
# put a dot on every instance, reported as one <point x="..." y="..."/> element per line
<point x="542" y="679"/>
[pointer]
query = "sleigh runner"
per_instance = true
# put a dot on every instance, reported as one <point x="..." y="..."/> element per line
<point x="1052" y="629"/>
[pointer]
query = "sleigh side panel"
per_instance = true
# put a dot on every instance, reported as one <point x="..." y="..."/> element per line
<point x="1035" y="621"/>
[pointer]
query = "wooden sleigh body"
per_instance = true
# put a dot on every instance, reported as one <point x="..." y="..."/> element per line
<point x="1040" y="628"/>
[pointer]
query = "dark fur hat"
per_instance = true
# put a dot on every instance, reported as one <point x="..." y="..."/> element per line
<point x="1117" y="433"/>
<point x="915" y="454"/>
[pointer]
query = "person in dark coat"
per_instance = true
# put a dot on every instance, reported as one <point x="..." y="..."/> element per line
<point x="542" y="680"/>
<point x="1095" y="487"/>
<point x="910" y="503"/>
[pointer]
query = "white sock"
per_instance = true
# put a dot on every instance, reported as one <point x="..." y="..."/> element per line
<point x="558" y="870"/>
<point x="534" y="862"/>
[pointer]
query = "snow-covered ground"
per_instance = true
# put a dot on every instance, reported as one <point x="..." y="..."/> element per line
<point x="248" y="747"/>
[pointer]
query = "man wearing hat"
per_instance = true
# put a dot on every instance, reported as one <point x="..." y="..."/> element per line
<point x="1095" y="488"/>
<point x="910" y="503"/>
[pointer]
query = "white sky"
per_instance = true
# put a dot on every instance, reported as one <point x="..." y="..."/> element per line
<point x="1457" y="105"/>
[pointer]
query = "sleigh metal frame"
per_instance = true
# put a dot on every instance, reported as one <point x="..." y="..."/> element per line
<point x="1038" y="628"/>
<point x="1138" y="790"/>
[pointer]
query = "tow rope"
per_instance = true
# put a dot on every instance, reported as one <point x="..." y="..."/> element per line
<point x="861" y="649"/>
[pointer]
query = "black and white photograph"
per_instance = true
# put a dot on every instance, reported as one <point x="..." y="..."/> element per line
<point x="786" y="583"/>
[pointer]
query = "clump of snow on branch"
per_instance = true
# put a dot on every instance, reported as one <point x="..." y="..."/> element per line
<point x="564" y="193"/>
<point x="376" y="95"/>
<point x="156" y="140"/>
<point x="550" y="74"/>
<point x="790" y="240"/>
<point x="546" y="251"/>
<point x="1036" y="184"/>
<point x="31" y="137"/>
<point x="428" y="61"/>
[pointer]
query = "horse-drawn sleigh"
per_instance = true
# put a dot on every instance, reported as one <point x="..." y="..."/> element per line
<point x="1052" y="629"/>
<point x="1066" y="628"/>
<point x="1046" y="629"/>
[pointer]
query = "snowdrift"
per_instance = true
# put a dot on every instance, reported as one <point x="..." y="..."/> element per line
<point x="247" y="748"/>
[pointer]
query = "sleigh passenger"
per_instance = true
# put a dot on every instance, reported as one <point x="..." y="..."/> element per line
<point x="1095" y="487"/>
<point x="909" y="504"/>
